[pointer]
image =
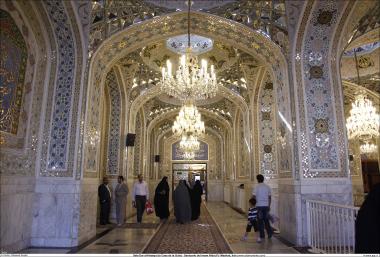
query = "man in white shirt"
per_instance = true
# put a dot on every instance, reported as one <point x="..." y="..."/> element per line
<point x="140" y="195"/>
<point x="262" y="194"/>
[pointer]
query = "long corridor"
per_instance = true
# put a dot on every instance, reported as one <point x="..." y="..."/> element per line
<point x="134" y="238"/>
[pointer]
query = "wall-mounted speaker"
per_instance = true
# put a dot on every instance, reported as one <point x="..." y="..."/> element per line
<point x="351" y="157"/>
<point x="130" y="141"/>
<point x="156" y="158"/>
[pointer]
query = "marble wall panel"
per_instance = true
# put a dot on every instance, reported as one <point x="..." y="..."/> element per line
<point x="88" y="209"/>
<point x="215" y="191"/>
<point x="292" y="203"/>
<point x="55" y="213"/>
<point x="16" y="207"/>
<point x="288" y="214"/>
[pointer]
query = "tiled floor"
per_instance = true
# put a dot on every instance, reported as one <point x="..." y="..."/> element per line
<point x="133" y="240"/>
<point x="233" y="226"/>
<point x="123" y="240"/>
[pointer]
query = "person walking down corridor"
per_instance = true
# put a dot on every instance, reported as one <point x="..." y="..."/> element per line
<point x="121" y="192"/>
<point x="104" y="194"/>
<point x="196" y="200"/>
<point x="182" y="204"/>
<point x="140" y="195"/>
<point x="161" y="199"/>
<point x="262" y="194"/>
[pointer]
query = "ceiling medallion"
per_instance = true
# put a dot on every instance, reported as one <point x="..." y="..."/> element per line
<point x="325" y="17"/>
<point x="316" y="72"/>
<point x="321" y="126"/>
<point x="267" y="148"/>
<point x="198" y="44"/>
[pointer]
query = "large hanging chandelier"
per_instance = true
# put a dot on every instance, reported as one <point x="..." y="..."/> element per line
<point x="188" y="121"/>
<point x="363" y="122"/>
<point x="189" y="143"/>
<point x="189" y="155"/>
<point x="190" y="81"/>
<point x="368" y="148"/>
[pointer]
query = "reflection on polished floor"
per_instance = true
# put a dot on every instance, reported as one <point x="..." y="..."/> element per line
<point x="124" y="239"/>
<point x="232" y="225"/>
<point x="131" y="239"/>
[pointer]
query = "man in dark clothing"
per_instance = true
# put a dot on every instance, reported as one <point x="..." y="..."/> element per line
<point x="367" y="225"/>
<point x="161" y="199"/>
<point x="104" y="194"/>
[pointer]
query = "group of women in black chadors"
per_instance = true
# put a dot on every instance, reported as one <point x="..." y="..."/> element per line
<point x="187" y="201"/>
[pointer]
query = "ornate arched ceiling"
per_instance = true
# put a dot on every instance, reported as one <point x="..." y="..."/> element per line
<point x="141" y="75"/>
<point x="221" y="55"/>
<point x="252" y="49"/>
<point x="141" y="68"/>
<point x="364" y="70"/>
<point x="267" y="17"/>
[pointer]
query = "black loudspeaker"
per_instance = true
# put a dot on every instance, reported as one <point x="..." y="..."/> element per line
<point x="351" y="157"/>
<point x="130" y="139"/>
<point x="156" y="158"/>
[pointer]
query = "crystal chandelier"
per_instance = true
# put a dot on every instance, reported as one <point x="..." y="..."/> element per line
<point x="368" y="148"/>
<point x="189" y="143"/>
<point x="363" y="122"/>
<point x="189" y="81"/>
<point x="189" y="155"/>
<point x="188" y="121"/>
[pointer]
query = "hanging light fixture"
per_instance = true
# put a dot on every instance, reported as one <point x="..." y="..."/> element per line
<point x="190" y="81"/>
<point x="189" y="155"/>
<point x="188" y="122"/>
<point x="189" y="143"/>
<point x="363" y="122"/>
<point x="368" y="148"/>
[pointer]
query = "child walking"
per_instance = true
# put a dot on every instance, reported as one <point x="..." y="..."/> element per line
<point x="252" y="218"/>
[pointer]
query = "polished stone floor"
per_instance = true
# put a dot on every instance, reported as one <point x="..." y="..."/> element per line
<point x="133" y="239"/>
<point x="124" y="240"/>
<point x="232" y="224"/>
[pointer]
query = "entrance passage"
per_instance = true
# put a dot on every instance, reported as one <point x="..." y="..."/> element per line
<point x="199" y="236"/>
<point x="190" y="172"/>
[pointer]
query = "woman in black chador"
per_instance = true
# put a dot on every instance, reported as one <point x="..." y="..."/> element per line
<point x="196" y="199"/>
<point x="368" y="224"/>
<point x="161" y="199"/>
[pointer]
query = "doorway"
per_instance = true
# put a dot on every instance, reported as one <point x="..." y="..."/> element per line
<point x="190" y="172"/>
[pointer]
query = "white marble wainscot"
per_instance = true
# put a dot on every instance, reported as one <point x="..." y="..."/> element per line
<point x="227" y="193"/>
<point x="292" y="202"/>
<point x="16" y="212"/>
<point x="238" y="197"/>
<point x="273" y="184"/>
<point x="88" y="209"/>
<point x="214" y="190"/>
<point x="112" y="182"/>
<point x="130" y="210"/>
<point x="56" y="212"/>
